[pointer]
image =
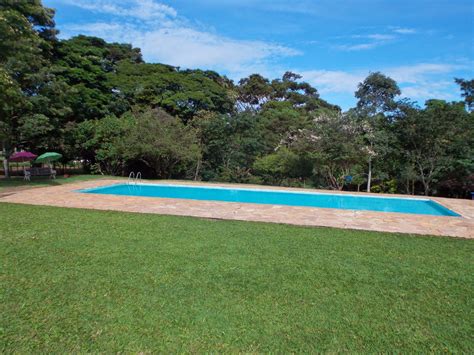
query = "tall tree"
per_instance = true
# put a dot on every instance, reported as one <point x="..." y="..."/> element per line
<point x="102" y="142"/>
<point x="376" y="94"/>
<point x="163" y="143"/>
<point x="332" y="146"/>
<point x="26" y="38"/>
<point x="253" y="92"/>
<point x="84" y="62"/>
<point x="300" y="94"/>
<point x="278" y="119"/>
<point x="438" y="142"/>
<point x="180" y="93"/>
<point x="376" y="97"/>
<point x="467" y="91"/>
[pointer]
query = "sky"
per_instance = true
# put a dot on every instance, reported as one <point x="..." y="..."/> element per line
<point x="333" y="44"/>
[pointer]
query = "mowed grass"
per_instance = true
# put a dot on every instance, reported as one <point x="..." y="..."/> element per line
<point x="87" y="281"/>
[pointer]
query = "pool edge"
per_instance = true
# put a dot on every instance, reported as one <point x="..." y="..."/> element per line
<point x="437" y="205"/>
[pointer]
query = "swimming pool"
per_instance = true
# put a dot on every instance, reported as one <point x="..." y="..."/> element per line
<point x="278" y="197"/>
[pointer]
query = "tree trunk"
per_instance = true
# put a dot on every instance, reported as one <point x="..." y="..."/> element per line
<point x="5" y="168"/>
<point x="426" y="178"/>
<point x="198" y="168"/>
<point x="6" y="155"/>
<point x="369" y="175"/>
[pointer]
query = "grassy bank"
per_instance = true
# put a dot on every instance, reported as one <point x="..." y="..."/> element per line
<point x="75" y="280"/>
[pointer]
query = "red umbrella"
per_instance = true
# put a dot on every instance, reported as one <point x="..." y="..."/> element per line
<point x="22" y="156"/>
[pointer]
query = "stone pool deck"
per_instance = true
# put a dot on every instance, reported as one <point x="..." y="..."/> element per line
<point x="67" y="196"/>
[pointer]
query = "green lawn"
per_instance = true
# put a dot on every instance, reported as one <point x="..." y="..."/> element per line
<point x="87" y="281"/>
<point x="38" y="181"/>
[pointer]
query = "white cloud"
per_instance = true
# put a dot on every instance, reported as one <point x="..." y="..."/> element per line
<point x="416" y="73"/>
<point x="437" y="89"/>
<point x="426" y="80"/>
<point x="374" y="40"/>
<point x="188" y="47"/>
<point x="404" y="31"/>
<point x="333" y="81"/>
<point x="418" y="82"/>
<point x="381" y="37"/>
<point x="164" y="37"/>
<point x="371" y="40"/>
<point x="376" y="36"/>
<point x="305" y="7"/>
<point x="358" y="47"/>
<point x="98" y="29"/>
<point x="140" y="9"/>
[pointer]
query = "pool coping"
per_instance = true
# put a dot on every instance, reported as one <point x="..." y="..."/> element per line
<point x="68" y="196"/>
<point x="269" y="189"/>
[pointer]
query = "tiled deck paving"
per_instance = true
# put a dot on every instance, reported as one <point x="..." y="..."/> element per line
<point x="66" y="196"/>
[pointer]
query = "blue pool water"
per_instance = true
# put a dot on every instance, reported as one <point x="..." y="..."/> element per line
<point x="276" y="197"/>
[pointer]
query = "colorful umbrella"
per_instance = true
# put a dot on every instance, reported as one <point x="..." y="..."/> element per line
<point x="22" y="156"/>
<point x="48" y="157"/>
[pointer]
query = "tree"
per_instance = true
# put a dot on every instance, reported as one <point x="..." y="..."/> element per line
<point x="333" y="147"/>
<point x="84" y="63"/>
<point x="467" y="89"/>
<point x="244" y="145"/>
<point x="438" y="142"/>
<point x="163" y="143"/>
<point x="27" y="35"/>
<point x="230" y="144"/>
<point x="300" y="95"/>
<point x="278" y="119"/>
<point x="376" y="97"/>
<point x="104" y="142"/>
<point x="278" y="166"/>
<point x="376" y="94"/>
<point x="180" y="93"/>
<point x="253" y="92"/>
<point x="12" y="103"/>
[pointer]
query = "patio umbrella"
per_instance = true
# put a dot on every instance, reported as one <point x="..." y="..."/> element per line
<point x="48" y="157"/>
<point x="19" y="157"/>
<point x="22" y="157"/>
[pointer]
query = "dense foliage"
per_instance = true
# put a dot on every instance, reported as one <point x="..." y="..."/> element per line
<point x="100" y="103"/>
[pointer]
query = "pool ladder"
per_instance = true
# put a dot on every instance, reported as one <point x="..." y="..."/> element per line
<point x="134" y="179"/>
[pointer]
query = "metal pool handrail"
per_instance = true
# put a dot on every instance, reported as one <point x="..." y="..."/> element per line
<point x="131" y="176"/>
<point x="134" y="179"/>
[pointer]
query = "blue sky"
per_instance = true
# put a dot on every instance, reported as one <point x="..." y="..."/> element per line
<point x="334" y="44"/>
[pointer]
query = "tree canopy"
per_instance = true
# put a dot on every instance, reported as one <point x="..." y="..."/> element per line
<point x="102" y="104"/>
